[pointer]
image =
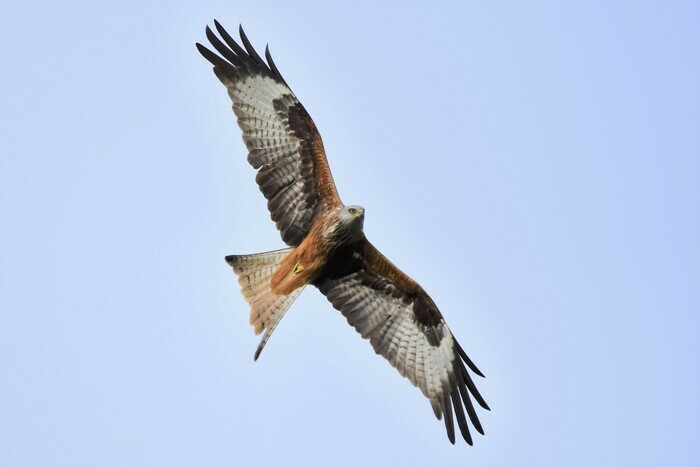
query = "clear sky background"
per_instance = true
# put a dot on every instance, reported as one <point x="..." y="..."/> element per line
<point x="534" y="166"/>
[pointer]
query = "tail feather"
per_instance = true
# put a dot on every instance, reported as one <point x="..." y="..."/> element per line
<point x="254" y="274"/>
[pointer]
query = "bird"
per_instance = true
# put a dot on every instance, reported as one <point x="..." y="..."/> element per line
<point x="326" y="244"/>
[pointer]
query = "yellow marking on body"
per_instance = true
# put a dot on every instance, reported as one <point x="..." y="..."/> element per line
<point x="297" y="268"/>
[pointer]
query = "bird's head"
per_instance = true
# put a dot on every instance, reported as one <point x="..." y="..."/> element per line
<point x="345" y="225"/>
<point x="351" y="220"/>
<point x="352" y="216"/>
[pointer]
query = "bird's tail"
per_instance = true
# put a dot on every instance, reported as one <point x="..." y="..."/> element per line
<point x="254" y="274"/>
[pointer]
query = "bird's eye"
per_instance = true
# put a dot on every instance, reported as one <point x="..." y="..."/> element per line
<point x="352" y="210"/>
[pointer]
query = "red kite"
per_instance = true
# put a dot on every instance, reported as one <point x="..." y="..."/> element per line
<point x="327" y="246"/>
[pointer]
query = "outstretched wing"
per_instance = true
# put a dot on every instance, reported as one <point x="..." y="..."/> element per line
<point x="404" y="326"/>
<point x="283" y="142"/>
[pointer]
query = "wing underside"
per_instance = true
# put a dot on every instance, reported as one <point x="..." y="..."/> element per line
<point x="403" y="325"/>
<point x="283" y="143"/>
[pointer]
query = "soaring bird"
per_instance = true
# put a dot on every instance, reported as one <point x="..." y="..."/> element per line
<point x="327" y="247"/>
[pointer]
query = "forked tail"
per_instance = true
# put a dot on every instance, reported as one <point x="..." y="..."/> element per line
<point x="254" y="274"/>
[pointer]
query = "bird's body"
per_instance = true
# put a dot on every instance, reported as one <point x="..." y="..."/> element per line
<point x="335" y="230"/>
<point x="327" y="247"/>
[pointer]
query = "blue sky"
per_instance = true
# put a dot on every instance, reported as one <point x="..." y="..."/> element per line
<point x="534" y="165"/>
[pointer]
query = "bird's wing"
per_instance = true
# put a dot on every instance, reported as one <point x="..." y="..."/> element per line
<point x="404" y="326"/>
<point x="283" y="143"/>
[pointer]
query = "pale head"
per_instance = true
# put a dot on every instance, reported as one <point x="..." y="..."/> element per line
<point x="352" y="216"/>
<point x="346" y="224"/>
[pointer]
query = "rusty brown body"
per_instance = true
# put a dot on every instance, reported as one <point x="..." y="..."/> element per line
<point x="304" y="263"/>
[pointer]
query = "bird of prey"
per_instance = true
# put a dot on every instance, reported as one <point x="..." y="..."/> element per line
<point x="327" y="247"/>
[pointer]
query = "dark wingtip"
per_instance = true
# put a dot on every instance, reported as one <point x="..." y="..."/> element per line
<point x="210" y="34"/>
<point x="459" y="412"/>
<point x="250" y="49"/>
<point x="271" y="64"/>
<point x="468" y="360"/>
<point x="220" y="28"/>
<point x="241" y="54"/>
<point x="450" y="432"/>
<point x="477" y="426"/>
<point x="214" y="59"/>
<point x="449" y="420"/>
<point x="242" y="35"/>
